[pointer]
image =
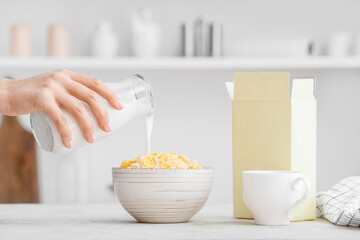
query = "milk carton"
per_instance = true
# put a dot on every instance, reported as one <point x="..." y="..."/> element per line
<point x="272" y="132"/>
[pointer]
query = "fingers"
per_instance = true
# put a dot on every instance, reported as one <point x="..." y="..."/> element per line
<point x="58" y="117"/>
<point x="99" y="87"/>
<point x="78" y="110"/>
<point x="97" y="106"/>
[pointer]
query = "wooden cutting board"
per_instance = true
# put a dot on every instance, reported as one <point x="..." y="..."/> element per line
<point x="18" y="166"/>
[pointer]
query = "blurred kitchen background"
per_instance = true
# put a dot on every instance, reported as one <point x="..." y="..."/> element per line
<point x="113" y="39"/>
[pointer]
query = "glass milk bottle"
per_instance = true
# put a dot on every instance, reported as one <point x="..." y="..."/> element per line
<point x="134" y="93"/>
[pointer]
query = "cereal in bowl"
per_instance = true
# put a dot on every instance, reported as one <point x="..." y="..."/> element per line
<point x="161" y="160"/>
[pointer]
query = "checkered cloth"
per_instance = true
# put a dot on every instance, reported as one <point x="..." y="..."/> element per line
<point x="341" y="204"/>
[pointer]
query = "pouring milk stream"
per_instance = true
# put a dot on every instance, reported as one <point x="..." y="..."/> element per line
<point x="137" y="97"/>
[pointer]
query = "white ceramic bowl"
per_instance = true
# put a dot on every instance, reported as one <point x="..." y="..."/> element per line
<point x="162" y="195"/>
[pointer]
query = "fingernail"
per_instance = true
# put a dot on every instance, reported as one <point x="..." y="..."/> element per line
<point x="93" y="139"/>
<point x="120" y="105"/>
<point x="70" y="144"/>
<point x="109" y="127"/>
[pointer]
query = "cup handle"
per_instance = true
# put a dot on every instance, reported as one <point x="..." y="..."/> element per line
<point x="306" y="194"/>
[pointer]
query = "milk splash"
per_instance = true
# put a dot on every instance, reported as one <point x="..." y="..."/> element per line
<point x="149" y="126"/>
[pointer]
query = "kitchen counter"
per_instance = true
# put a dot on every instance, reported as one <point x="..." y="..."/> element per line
<point x="110" y="221"/>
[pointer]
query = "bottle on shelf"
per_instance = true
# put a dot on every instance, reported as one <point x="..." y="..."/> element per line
<point x="104" y="41"/>
<point x="146" y="35"/>
<point x="58" y="41"/>
<point x="20" y="43"/>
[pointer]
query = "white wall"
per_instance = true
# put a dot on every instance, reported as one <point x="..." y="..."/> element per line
<point x="193" y="115"/>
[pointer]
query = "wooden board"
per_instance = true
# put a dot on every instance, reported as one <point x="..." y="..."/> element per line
<point x="18" y="167"/>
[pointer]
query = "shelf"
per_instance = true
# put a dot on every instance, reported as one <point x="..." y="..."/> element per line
<point x="174" y="63"/>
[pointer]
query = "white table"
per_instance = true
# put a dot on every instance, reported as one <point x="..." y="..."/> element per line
<point x="36" y="221"/>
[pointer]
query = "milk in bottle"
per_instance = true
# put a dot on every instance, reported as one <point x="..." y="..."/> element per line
<point x="137" y="97"/>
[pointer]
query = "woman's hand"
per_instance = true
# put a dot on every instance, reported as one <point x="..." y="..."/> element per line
<point x="62" y="88"/>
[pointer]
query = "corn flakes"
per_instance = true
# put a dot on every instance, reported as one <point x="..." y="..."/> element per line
<point x="161" y="160"/>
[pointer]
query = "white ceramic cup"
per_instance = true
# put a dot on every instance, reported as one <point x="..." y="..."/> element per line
<point x="273" y="196"/>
